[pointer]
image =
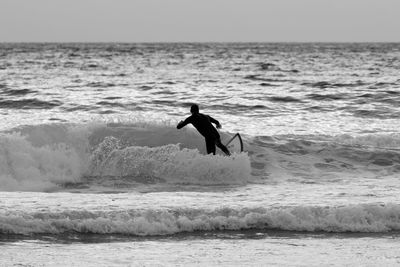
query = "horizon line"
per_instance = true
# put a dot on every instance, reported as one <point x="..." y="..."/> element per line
<point x="202" y="42"/>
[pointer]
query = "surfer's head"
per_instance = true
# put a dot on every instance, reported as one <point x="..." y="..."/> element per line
<point x="194" y="109"/>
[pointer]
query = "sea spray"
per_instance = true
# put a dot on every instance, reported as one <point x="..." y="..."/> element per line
<point x="26" y="167"/>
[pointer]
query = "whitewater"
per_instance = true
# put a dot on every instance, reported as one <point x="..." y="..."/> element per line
<point x="93" y="171"/>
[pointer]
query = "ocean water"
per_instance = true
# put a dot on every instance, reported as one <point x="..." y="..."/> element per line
<point x="93" y="171"/>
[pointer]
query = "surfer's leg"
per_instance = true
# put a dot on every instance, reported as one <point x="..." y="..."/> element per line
<point x="210" y="144"/>
<point x="222" y="147"/>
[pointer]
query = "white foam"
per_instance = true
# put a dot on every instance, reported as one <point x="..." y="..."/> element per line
<point x="169" y="163"/>
<point x="44" y="156"/>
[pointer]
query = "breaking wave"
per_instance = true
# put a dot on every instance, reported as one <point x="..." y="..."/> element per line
<point x="43" y="157"/>
<point x="371" y="218"/>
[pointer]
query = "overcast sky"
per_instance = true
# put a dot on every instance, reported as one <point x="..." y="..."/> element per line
<point x="199" y="20"/>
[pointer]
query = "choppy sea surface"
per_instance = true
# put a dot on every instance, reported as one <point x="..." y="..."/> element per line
<point x="93" y="171"/>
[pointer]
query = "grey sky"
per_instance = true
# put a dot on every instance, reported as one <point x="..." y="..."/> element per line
<point x="199" y="20"/>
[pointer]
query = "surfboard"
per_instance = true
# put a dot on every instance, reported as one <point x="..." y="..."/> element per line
<point x="235" y="144"/>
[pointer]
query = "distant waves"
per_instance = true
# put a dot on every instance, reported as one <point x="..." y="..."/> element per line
<point x="281" y="87"/>
<point x="30" y="103"/>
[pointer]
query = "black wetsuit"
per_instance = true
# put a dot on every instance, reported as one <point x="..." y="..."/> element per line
<point x="203" y="124"/>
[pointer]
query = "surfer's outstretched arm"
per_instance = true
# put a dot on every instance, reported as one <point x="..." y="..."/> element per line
<point x="182" y="124"/>
<point x="215" y="121"/>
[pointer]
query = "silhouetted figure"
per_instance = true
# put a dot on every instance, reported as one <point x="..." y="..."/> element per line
<point x="203" y="124"/>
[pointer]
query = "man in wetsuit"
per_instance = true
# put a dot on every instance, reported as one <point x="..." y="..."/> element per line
<point x="203" y="124"/>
